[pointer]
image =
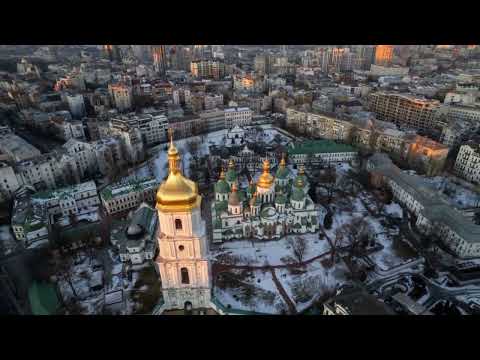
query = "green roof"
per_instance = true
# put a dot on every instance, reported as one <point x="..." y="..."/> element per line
<point x="221" y="206"/>
<point x="319" y="146"/>
<point x="231" y="175"/>
<point x="43" y="299"/>
<point x="280" y="199"/>
<point x="222" y="187"/>
<point x="298" y="194"/>
<point x="282" y="172"/>
<point x="120" y="188"/>
<point x="251" y="188"/>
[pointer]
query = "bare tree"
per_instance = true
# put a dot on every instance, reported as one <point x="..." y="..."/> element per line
<point x="299" y="247"/>
<point x="353" y="234"/>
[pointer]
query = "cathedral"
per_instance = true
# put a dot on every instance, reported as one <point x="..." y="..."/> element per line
<point x="182" y="259"/>
<point x="268" y="209"/>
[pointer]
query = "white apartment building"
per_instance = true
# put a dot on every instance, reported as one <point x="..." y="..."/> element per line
<point x="84" y="155"/>
<point x="467" y="113"/>
<point x="122" y="197"/>
<point x="9" y="182"/>
<point x="76" y="104"/>
<point x="153" y="128"/>
<point x="132" y="141"/>
<point x="48" y="171"/>
<point x="212" y="101"/>
<point x="467" y="164"/>
<point x="68" y="200"/>
<point x="239" y="116"/>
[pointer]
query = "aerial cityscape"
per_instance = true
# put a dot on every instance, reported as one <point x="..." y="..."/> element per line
<point x="240" y="179"/>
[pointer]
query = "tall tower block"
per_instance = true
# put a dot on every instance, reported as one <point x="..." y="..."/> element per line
<point x="384" y="55"/>
<point x="183" y="249"/>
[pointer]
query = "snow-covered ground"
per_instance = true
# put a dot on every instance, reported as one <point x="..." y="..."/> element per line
<point x="205" y="141"/>
<point x="386" y="258"/>
<point x="317" y="280"/>
<point x="270" y="252"/>
<point x="265" y="300"/>
<point x="75" y="284"/>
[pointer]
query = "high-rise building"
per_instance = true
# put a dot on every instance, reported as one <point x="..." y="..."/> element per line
<point x="122" y="96"/>
<point x="112" y="52"/>
<point x="208" y="69"/>
<point x="384" y="55"/>
<point x="183" y="250"/>
<point x="159" y="59"/>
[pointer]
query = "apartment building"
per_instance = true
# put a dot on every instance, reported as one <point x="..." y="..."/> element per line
<point x="238" y="116"/>
<point x="152" y="127"/>
<point x="467" y="164"/>
<point x="404" y="110"/>
<point x="208" y="69"/>
<point x="68" y="200"/>
<point x="121" y="197"/>
<point x="320" y="151"/>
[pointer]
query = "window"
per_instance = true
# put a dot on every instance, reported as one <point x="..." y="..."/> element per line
<point x="181" y="247"/>
<point x="178" y="224"/>
<point x="184" y="273"/>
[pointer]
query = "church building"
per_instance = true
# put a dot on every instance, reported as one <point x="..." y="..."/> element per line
<point x="268" y="209"/>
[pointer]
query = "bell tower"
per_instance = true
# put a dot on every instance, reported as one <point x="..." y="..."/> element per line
<point x="182" y="260"/>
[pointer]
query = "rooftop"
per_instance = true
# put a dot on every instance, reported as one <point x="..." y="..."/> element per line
<point x="319" y="146"/>
<point x="120" y="188"/>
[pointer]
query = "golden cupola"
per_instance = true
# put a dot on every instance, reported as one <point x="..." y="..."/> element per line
<point x="176" y="193"/>
<point x="266" y="179"/>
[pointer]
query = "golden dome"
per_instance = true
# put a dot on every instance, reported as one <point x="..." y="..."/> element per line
<point x="283" y="163"/>
<point x="266" y="179"/>
<point x="231" y="164"/>
<point x="176" y="193"/>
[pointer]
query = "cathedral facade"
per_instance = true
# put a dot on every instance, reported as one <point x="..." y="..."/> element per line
<point x="268" y="209"/>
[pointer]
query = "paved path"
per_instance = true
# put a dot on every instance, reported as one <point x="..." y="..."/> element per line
<point x="291" y="306"/>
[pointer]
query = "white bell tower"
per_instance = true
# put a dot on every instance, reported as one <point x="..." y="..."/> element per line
<point x="182" y="241"/>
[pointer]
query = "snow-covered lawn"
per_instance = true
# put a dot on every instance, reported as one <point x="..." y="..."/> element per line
<point x="317" y="281"/>
<point x="270" y="252"/>
<point x="262" y="293"/>
<point x="205" y="141"/>
<point x="387" y="257"/>
<point x="75" y="284"/>
<point x="394" y="210"/>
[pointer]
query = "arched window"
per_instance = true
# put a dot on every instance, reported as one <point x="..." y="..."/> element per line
<point x="184" y="273"/>
<point x="178" y="224"/>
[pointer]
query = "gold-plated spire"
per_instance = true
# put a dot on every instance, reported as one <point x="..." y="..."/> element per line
<point x="176" y="193"/>
<point x="283" y="162"/>
<point x="222" y="174"/>
<point x="173" y="155"/>
<point x="266" y="179"/>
